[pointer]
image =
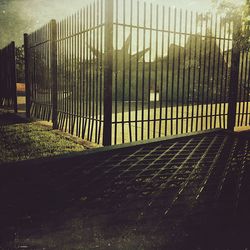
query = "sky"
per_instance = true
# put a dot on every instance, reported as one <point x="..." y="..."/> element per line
<point x="24" y="16"/>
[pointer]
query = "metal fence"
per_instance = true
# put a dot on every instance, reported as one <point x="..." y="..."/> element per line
<point x="173" y="69"/>
<point x="8" y="96"/>
<point x="80" y="72"/>
<point x="119" y="71"/>
<point x="76" y="79"/>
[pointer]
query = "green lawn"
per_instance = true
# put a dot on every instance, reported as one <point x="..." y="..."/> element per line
<point x="20" y="140"/>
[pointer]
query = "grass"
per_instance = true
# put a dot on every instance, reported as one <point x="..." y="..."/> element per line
<point x="20" y="140"/>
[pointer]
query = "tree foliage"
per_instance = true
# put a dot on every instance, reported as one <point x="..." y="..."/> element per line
<point x="239" y="15"/>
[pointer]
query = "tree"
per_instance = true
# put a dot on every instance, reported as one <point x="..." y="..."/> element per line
<point x="239" y="15"/>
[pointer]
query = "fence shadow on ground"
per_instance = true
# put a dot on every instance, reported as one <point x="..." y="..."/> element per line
<point x="10" y="119"/>
<point x="161" y="195"/>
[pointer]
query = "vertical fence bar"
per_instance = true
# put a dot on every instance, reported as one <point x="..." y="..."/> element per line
<point x="244" y="85"/>
<point x="123" y="71"/>
<point x="178" y="74"/>
<point x="53" y="58"/>
<point x="137" y="71"/>
<point x="27" y="82"/>
<point x="213" y="100"/>
<point x="143" y="71"/>
<point x="71" y="51"/>
<point x="1" y="78"/>
<point x="233" y="84"/>
<point x="91" y="83"/>
<point x="75" y="81"/>
<point x="84" y="69"/>
<point x="108" y="72"/>
<point x="59" y="78"/>
<point x="184" y="74"/>
<point x="162" y="70"/>
<point x="97" y="73"/>
<point x="101" y="96"/>
<point x="116" y="71"/>
<point x="13" y="73"/>
<point x="156" y="69"/>
<point x="218" y="48"/>
<point x="208" y="73"/>
<point x="150" y="68"/>
<point x="247" y="120"/>
<point x="226" y="77"/>
<point x="66" y="61"/>
<point x="194" y="74"/>
<point x="200" y="47"/>
<point x="167" y="73"/>
<point x="204" y="75"/>
<point x="241" y="69"/>
<point x="130" y="70"/>
<point x="173" y="76"/>
<point x="81" y="58"/>
<point x="223" y="78"/>
<point x="189" y="71"/>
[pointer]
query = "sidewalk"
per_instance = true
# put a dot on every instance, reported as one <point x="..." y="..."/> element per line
<point x="176" y="193"/>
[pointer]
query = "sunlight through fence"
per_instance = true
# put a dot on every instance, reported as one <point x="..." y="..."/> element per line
<point x="120" y="71"/>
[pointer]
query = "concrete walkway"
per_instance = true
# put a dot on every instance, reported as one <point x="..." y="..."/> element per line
<point x="188" y="192"/>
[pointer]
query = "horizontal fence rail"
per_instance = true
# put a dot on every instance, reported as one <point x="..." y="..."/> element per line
<point x="8" y="95"/>
<point x="120" y="71"/>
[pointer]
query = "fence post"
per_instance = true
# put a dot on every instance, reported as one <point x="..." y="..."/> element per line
<point x="53" y="58"/>
<point x="235" y="67"/>
<point x="13" y="74"/>
<point x="27" y="83"/>
<point x="1" y="82"/>
<point x="108" y="72"/>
